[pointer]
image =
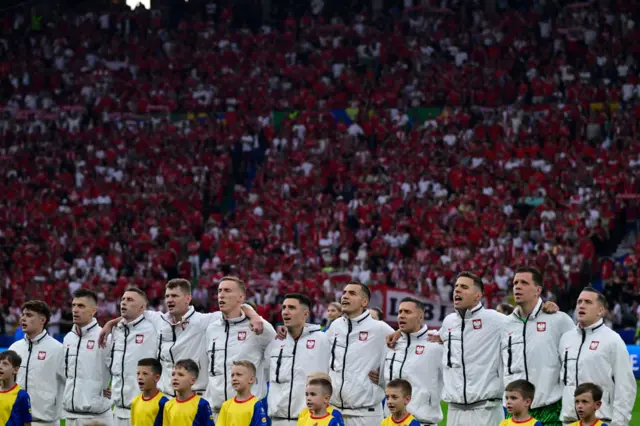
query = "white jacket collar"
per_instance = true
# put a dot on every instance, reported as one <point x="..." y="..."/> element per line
<point x="84" y="330"/>
<point x="38" y="338"/>
<point x="536" y="311"/>
<point x="359" y="319"/>
<point x="418" y="334"/>
<point x="593" y="327"/>
<point x="470" y="312"/>
<point x="234" y="321"/>
<point x="306" y="330"/>
<point x="169" y="318"/>
<point x="133" y="323"/>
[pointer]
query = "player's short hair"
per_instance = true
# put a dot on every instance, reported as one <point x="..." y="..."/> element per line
<point x="536" y="274"/>
<point x="601" y="299"/>
<point x="403" y="385"/>
<point x="523" y="387"/>
<point x="190" y="365"/>
<point x="180" y="283"/>
<point x="415" y="301"/>
<point x="318" y="375"/>
<point x="39" y="307"/>
<point x="12" y="356"/>
<point x="85" y="292"/>
<point x="156" y="366"/>
<point x="506" y="308"/>
<point x="304" y="300"/>
<point x="246" y="364"/>
<point x="379" y="312"/>
<point x="240" y="283"/>
<point x="137" y="291"/>
<point x="324" y="384"/>
<point x="363" y="287"/>
<point x="592" y="388"/>
<point x="477" y="281"/>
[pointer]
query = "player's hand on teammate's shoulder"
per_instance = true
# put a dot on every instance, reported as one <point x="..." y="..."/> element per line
<point x="550" y="307"/>
<point x="281" y="331"/>
<point x="393" y="338"/>
<point x="256" y="324"/>
<point x="374" y="376"/>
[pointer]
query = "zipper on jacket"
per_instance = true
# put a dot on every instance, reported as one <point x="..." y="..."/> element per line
<point x="464" y="368"/>
<point x="566" y="360"/>
<point x="344" y="360"/>
<point x="75" y="375"/>
<point x="175" y="338"/>
<point x="584" y="337"/>
<point x="524" y="349"/>
<point x="293" y="364"/>
<point x="26" y="376"/>
<point x="278" y="364"/>
<point x="393" y="359"/>
<point x="66" y="364"/>
<point x="226" y="345"/>
<point x="449" y="364"/>
<point x="213" y="359"/>
<point x="406" y="353"/>
<point x="124" y="353"/>
<point x="509" y="357"/>
<point x="333" y="353"/>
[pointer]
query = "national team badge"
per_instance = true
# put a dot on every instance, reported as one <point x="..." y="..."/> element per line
<point x="139" y="338"/>
<point x="42" y="355"/>
<point x="419" y="350"/>
<point x="91" y="344"/>
<point x="594" y="345"/>
<point x="184" y="324"/>
<point x="311" y="344"/>
<point x="242" y="335"/>
<point x="541" y="326"/>
<point x="477" y="324"/>
<point x="364" y="335"/>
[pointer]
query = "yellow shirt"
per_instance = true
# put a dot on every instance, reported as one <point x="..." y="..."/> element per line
<point x="249" y="412"/>
<point x="330" y="409"/>
<point x="409" y="420"/>
<point x="511" y="422"/>
<point x="148" y="412"/>
<point x="194" y="411"/>
<point x="332" y="418"/>
<point x="597" y="423"/>
<point x="15" y="407"/>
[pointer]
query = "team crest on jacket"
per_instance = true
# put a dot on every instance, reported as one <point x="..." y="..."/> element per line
<point x="139" y="338"/>
<point x="419" y="350"/>
<point x="364" y="335"/>
<point x="541" y="326"/>
<point x="477" y="324"/>
<point x="242" y="335"/>
<point x="42" y="355"/>
<point x="311" y="344"/>
<point x="594" y="345"/>
<point x="91" y="344"/>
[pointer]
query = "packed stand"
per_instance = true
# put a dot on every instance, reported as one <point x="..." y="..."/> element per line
<point x="103" y="187"/>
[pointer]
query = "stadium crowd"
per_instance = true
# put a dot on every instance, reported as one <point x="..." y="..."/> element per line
<point x="112" y="174"/>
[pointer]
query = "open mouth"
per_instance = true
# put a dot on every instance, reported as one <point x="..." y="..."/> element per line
<point x="457" y="298"/>
<point x="170" y="306"/>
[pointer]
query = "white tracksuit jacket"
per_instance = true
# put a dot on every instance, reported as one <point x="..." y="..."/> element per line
<point x="290" y="361"/>
<point x="358" y="346"/>
<point x="233" y="340"/>
<point x="184" y="340"/>
<point x="598" y="355"/>
<point x="87" y="373"/>
<point x="472" y="366"/>
<point x="418" y="361"/>
<point x="130" y="343"/>
<point x="529" y="351"/>
<point x="41" y="375"/>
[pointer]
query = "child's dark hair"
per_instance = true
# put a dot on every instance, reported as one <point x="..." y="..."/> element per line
<point x="156" y="366"/>
<point x="189" y="365"/>
<point x="592" y="388"/>
<point x="323" y="383"/>
<point x="14" y="359"/>
<point x="523" y="387"/>
<point x="402" y="384"/>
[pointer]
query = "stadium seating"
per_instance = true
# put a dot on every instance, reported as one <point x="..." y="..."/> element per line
<point x="399" y="152"/>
